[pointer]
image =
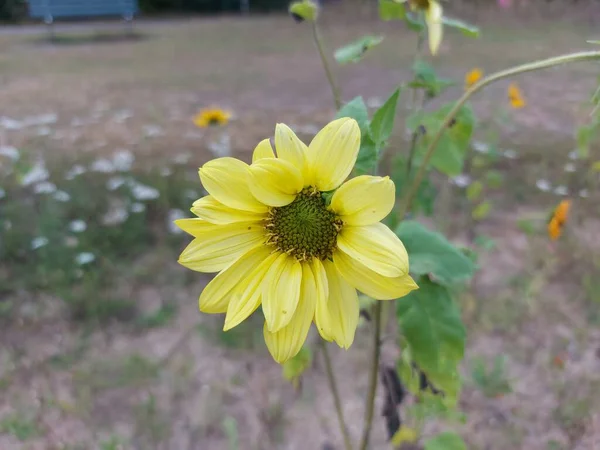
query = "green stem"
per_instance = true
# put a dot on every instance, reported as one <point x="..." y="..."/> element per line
<point x="336" y="396"/>
<point x="337" y="98"/>
<point x="370" y="404"/>
<point x="415" y="107"/>
<point x="530" y="67"/>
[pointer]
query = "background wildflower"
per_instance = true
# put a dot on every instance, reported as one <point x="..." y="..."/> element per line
<point x="473" y="77"/>
<point x="211" y="116"/>
<point x="515" y="97"/>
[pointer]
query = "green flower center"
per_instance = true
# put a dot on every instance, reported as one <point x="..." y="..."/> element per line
<point x="305" y="228"/>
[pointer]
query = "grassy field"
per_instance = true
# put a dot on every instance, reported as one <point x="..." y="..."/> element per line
<point x="102" y="345"/>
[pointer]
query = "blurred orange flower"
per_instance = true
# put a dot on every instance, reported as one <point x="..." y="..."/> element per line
<point x="558" y="220"/>
<point x="473" y="77"/>
<point x="211" y="116"/>
<point x="515" y="97"/>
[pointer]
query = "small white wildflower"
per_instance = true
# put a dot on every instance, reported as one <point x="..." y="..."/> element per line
<point x="75" y="171"/>
<point x="36" y="174"/>
<point x="462" y="180"/>
<point x="10" y="124"/>
<point x="78" y="122"/>
<point x="2" y="193"/>
<point x="43" y="131"/>
<point x="122" y="115"/>
<point x="85" y="258"/>
<point x="480" y="146"/>
<point x="561" y="190"/>
<point x="138" y="207"/>
<point x="123" y="160"/>
<point x="182" y="158"/>
<point x="102" y="165"/>
<point x="152" y="130"/>
<point x="569" y="167"/>
<point x="375" y="102"/>
<point x="574" y="155"/>
<point x="10" y="152"/>
<point x="45" y="187"/>
<point x="39" y="242"/>
<point x="584" y="193"/>
<point x="172" y="216"/>
<point x="510" y="154"/>
<point x="166" y="171"/>
<point x="114" y="216"/>
<point x="143" y="192"/>
<point x="62" y="196"/>
<point x="77" y="226"/>
<point x="543" y="185"/>
<point x="114" y="183"/>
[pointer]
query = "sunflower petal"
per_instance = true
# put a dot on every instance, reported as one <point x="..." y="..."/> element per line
<point x="275" y="182"/>
<point x="217" y="246"/>
<point x="332" y="153"/>
<point x="216" y="295"/>
<point x="211" y="210"/>
<point x="375" y="246"/>
<point x="245" y="300"/>
<point x="263" y="150"/>
<point x="287" y="342"/>
<point x="226" y="179"/>
<point x="320" y="279"/>
<point x="281" y="291"/>
<point x="433" y="17"/>
<point x="364" y="200"/>
<point x="338" y="318"/>
<point x="370" y="282"/>
<point x="289" y="147"/>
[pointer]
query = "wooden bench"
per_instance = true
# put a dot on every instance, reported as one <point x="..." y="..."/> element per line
<point x="49" y="10"/>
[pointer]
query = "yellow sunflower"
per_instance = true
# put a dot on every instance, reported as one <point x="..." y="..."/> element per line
<point x="559" y="219"/>
<point x="473" y="77"/>
<point x="287" y="233"/>
<point x="515" y="97"/>
<point x="211" y="116"/>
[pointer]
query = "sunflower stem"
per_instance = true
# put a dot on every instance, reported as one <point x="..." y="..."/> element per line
<point x="337" y="98"/>
<point x="529" y="67"/>
<point x="336" y="396"/>
<point x="415" y="106"/>
<point x="370" y="404"/>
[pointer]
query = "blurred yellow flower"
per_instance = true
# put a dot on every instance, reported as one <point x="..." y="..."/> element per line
<point x="277" y="243"/>
<point x="433" y="17"/>
<point x="515" y="97"/>
<point x="559" y="219"/>
<point x="473" y="77"/>
<point x="211" y="116"/>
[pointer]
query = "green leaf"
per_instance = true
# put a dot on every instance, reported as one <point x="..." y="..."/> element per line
<point x="304" y="10"/>
<point x="424" y="200"/>
<point x="367" y="156"/>
<point x="434" y="334"/>
<point x="296" y="366"/>
<point x="593" y="42"/>
<point x="494" y="178"/>
<point x="585" y="134"/>
<point x="451" y="150"/>
<point x="392" y="10"/>
<point x="474" y="190"/>
<point x="383" y="119"/>
<point x="426" y="78"/>
<point x="355" y="51"/>
<point x="466" y="29"/>
<point x="446" y="441"/>
<point x="357" y="110"/>
<point x="430" y="253"/>
<point x="482" y="210"/>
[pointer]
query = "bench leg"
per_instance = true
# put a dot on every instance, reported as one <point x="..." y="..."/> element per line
<point x="49" y="20"/>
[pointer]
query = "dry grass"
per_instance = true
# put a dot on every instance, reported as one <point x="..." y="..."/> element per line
<point x="64" y="388"/>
